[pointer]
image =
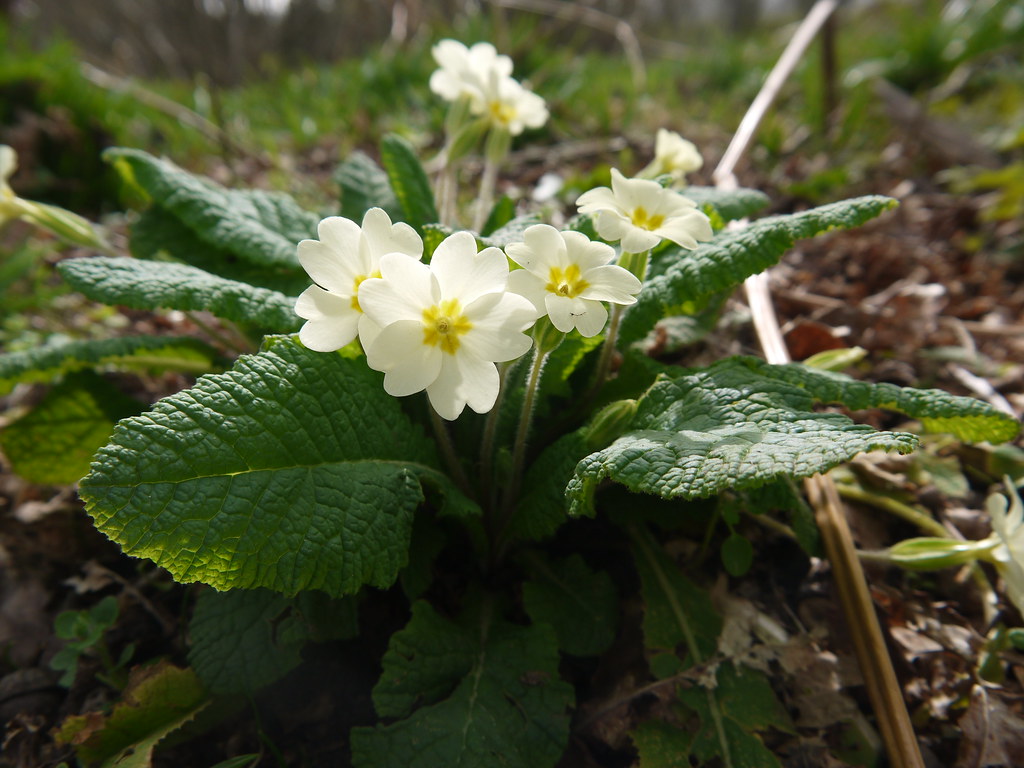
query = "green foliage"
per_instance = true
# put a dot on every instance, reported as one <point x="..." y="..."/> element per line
<point x="728" y="205"/>
<point x="159" y="700"/>
<point x="243" y="640"/>
<point x="408" y="181"/>
<point x="581" y="605"/>
<point x="125" y="353"/>
<point x="476" y="691"/>
<point x="745" y="704"/>
<point x="742" y="423"/>
<point x="364" y="185"/>
<point x="83" y="632"/>
<point x="732" y="257"/>
<point x="54" y="442"/>
<point x="162" y="285"/>
<point x="259" y="227"/>
<point x="292" y="471"/>
<point x="739" y="702"/>
<point x="158" y="235"/>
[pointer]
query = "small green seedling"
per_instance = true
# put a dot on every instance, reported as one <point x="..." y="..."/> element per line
<point x="84" y="631"/>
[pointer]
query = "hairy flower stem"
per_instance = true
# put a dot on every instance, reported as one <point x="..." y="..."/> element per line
<point x="927" y="524"/>
<point x="451" y="458"/>
<point x="637" y="264"/>
<point x="495" y="152"/>
<point x="511" y="496"/>
<point x="488" y="485"/>
<point x="446" y="194"/>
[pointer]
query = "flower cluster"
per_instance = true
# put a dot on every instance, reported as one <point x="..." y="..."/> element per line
<point x="482" y="76"/>
<point x="443" y="327"/>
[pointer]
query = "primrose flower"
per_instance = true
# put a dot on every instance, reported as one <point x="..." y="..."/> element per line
<point x="444" y="326"/>
<point x="640" y="212"/>
<point x="567" y="276"/>
<point x="508" y="104"/>
<point x="344" y="256"/>
<point x="673" y="155"/>
<point x="465" y="72"/>
<point x="1008" y="528"/>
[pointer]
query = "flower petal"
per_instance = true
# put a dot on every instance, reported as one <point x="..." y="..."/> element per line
<point x="636" y="240"/>
<point x="687" y="229"/>
<point x="403" y="291"/>
<point x="597" y="199"/>
<point x="342" y="236"/>
<point x="589" y="317"/>
<point x="464" y="380"/>
<point x="331" y="321"/>
<point x="497" y="334"/>
<point x="464" y="274"/>
<point x="408" y="364"/>
<point x="329" y="268"/>
<point x="611" y="283"/>
<point x="381" y="236"/>
<point x="530" y="286"/>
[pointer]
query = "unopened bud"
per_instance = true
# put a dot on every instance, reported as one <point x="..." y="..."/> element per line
<point x="932" y="554"/>
<point x="610" y="423"/>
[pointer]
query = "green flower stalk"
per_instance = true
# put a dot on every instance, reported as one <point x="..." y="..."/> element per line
<point x="68" y="226"/>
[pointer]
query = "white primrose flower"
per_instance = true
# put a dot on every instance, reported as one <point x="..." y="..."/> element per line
<point x="344" y="256"/>
<point x="567" y="276"/>
<point x="444" y="326"/>
<point x="510" y="105"/>
<point x="640" y="212"/>
<point x="1008" y="529"/>
<point x="465" y="72"/>
<point x="673" y="155"/>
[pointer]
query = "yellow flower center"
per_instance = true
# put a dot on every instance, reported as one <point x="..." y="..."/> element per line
<point x="355" y="289"/>
<point x="641" y="218"/>
<point x="443" y="324"/>
<point x="501" y="113"/>
<point x="567" y="282"/>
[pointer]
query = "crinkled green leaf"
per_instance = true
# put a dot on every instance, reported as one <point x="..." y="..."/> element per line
<point x="728" y="204"/>
<point x="242" y="640"/>
<point x="733" y="256"/>
<point x="158" y="700"/>
<point x="126" y="353"/>
<point x="475" y="692"/>
<point x="157" y="234"/>
<point x="54" y="441"/>
<point x="409" y="181"/>
<point x="742" y="423"/>
<point x="966" y="418"/>
<point x="293" y="471"/>
<point x="581" y="604"/>
<point x="163" y="285"/>
<point x="364" y="185"/>
<point x="260" y="227"/>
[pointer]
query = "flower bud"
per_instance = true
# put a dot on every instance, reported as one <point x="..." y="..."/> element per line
<point x="931" y="554"/>
<point x="610" y="423"/>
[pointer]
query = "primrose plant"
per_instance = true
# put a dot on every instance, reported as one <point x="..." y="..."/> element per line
<point x="302" y="479"/>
